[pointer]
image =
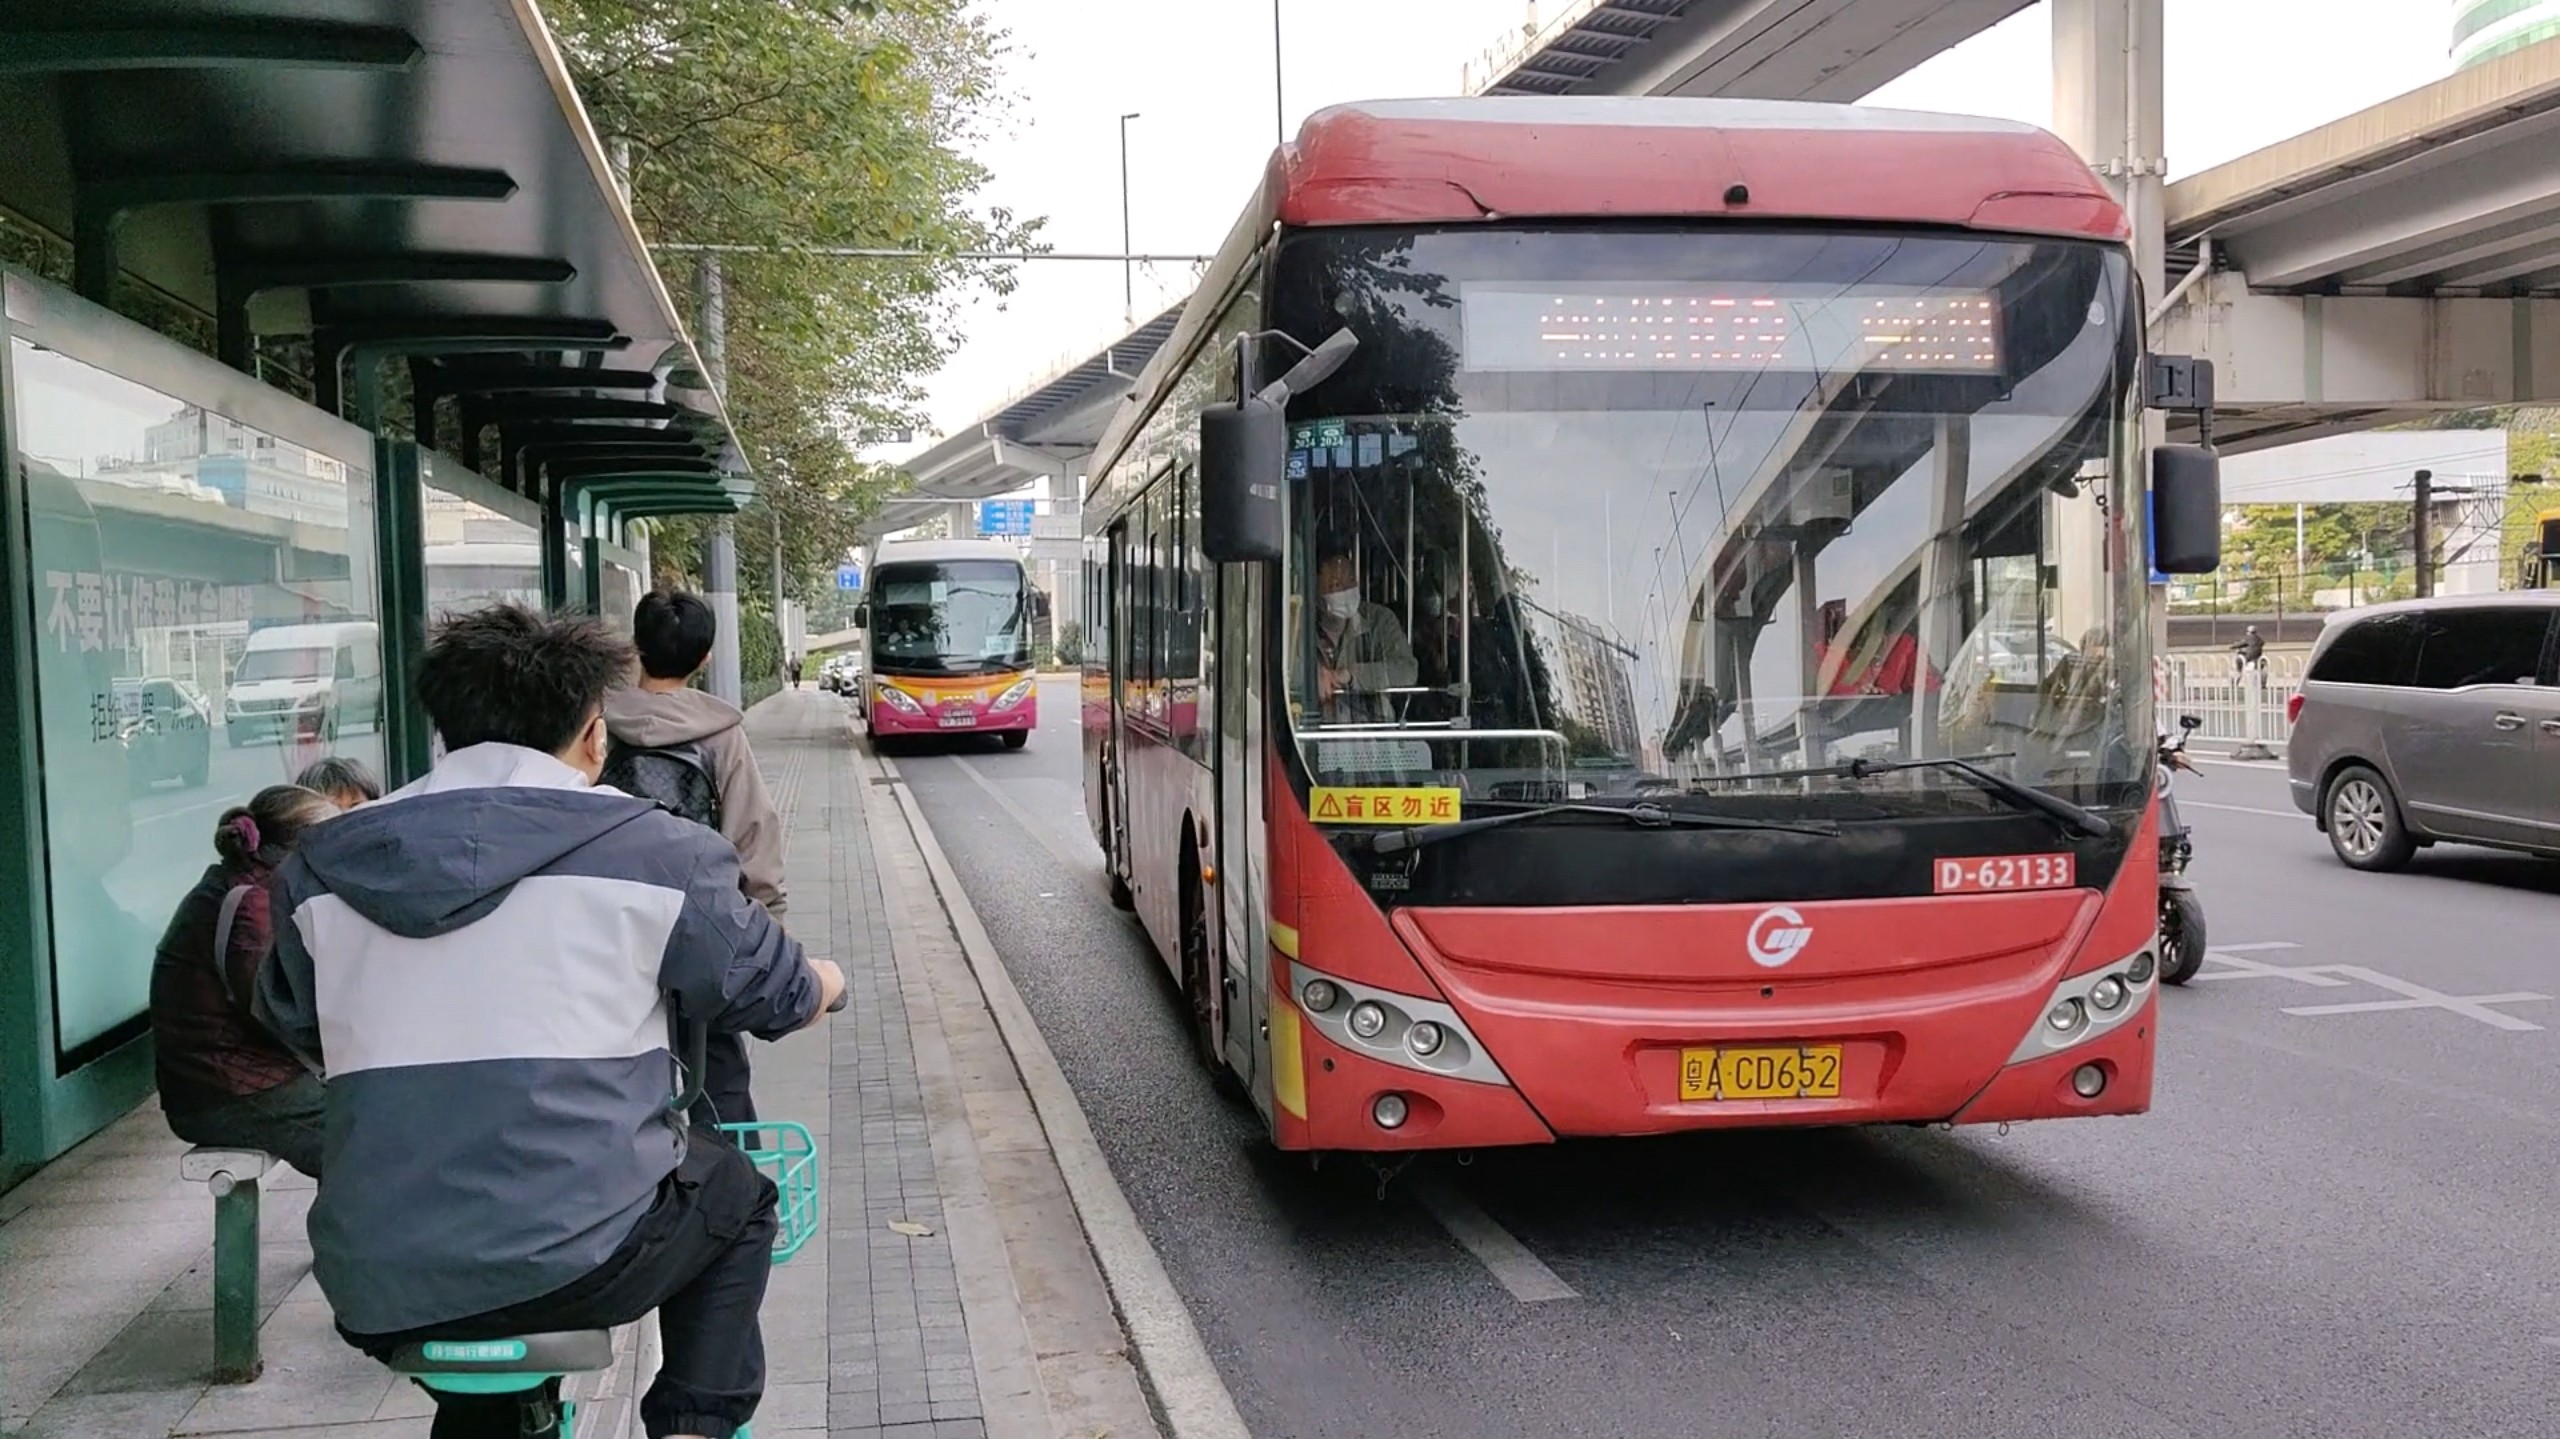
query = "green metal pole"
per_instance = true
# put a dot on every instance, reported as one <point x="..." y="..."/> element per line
<point x="235" y="1283"/>
<point x="591" y="551"/>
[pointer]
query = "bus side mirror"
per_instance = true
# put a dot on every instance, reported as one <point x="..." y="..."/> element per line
<point x="862" y="614"/>
<point x="2186" y="510"/>
<point x="1243" y="454"/>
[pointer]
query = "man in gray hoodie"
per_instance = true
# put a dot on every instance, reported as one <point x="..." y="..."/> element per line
<point x="673" y="632"/>
<point x="486" y="966"/>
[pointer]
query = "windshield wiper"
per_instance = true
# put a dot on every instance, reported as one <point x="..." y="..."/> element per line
<point x="1643" y="816"/>
<point x="2077" y="818"/>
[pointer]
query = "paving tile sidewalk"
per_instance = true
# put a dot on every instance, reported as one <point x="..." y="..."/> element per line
<point x="912" y="1335"/>
<point x="874" y="1331"/>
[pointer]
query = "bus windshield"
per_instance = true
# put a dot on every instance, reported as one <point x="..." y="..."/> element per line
<point x="950" y="617"/>
<point x="1596" y="512"/>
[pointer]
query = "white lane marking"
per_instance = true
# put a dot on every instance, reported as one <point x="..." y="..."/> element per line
<point x="2469" y="1006"/>
<point x="2236" y="967"/>
<point x="2244" y="809"/>
<point x="2238" y="763"/>
<point x="2337" y="976"/>
<point x="1087" y="863"/>
<point x="1514" y="1267"/>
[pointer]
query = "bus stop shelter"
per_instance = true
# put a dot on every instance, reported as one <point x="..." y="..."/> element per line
<point x="298" y="288"/>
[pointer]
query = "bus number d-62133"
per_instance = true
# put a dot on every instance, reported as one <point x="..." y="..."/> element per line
<point x="1997" y="872"/>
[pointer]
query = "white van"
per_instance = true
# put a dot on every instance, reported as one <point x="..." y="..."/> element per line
<point x="309" y="677"/>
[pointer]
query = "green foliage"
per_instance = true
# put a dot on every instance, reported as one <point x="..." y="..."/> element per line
<point x="759" y="653"/>
<point x="1070" y="647"/>
<point x="2368" y="541"/>
<point x="800" y="124"/>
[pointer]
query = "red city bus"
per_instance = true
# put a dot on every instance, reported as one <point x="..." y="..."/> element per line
<point x="1670" y="653"/>
<point x="949" y="625"/>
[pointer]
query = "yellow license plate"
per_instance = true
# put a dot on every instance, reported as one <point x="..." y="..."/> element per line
<point x="1809" y="1071"/>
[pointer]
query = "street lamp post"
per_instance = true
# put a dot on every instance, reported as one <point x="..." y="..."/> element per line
<point x="1279" y="111"/>
<point x="1128" y="274"/>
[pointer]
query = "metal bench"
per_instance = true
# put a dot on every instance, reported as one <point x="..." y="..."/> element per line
<point x="232" y="1176"/>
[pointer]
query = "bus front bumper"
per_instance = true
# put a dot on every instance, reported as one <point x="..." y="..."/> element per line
<point x="1547" y="1062"/>
<point x="973" y="716"/>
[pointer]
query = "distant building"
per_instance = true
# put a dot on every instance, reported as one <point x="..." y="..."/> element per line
<point x="250" y="469"/>
<point x="2486" y="29"/>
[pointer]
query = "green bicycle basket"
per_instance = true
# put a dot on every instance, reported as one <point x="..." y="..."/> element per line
<point x="789" y="1157"/>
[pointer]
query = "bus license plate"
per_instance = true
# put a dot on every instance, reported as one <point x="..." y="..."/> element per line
<point x="963" y="720"/>
<point x="1808" y="1072"/>
<point x="1992" y="874"/>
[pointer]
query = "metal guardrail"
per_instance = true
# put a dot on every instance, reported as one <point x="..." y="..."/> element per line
<point x="2242" y="706"/>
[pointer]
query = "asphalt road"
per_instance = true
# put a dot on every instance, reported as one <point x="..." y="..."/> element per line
<point x="2331" y="1224"/>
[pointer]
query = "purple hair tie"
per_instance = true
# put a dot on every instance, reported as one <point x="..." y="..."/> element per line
<point x="248" y="830"/>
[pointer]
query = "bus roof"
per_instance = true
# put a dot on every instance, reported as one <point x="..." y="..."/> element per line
<point x="892" y="552"/>
<point x="1592" y="157"/>
<point x="1510" y="157"/>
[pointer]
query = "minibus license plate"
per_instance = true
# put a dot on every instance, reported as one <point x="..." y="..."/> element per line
<point x="962" y="720"/>
<point x="1806" y="1072"/>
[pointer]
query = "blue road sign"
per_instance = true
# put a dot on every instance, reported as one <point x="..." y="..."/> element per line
<point x="1004" y="517"/>
<point x="848" y="577"/>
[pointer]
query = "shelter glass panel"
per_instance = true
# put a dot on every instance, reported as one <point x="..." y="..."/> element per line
<point x="204" y="594"/>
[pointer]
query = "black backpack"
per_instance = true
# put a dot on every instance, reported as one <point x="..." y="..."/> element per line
<point x="677" y="776"/>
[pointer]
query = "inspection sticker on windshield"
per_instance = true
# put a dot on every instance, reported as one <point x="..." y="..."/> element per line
<point x="1381" y="804"/>
<point x="1991" y="874"/>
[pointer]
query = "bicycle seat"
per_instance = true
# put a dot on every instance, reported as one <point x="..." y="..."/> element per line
<point x="569" y="1351"/>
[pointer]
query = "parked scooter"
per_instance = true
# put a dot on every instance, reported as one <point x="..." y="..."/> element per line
<point x="2182" y="938"/>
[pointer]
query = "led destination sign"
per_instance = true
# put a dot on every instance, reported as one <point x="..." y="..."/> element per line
<point x="1762" y="327"/>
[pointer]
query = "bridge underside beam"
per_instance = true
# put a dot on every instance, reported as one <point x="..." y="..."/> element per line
<point x="2292" y="367"/>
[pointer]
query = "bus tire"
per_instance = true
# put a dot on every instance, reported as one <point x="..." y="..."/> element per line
<point x="1121" y="898"/>
<point x="1016" y="738"/>
<point x="1198" y="999"/>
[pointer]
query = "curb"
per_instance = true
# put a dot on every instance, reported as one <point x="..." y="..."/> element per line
<point x="1166" y="1344"/>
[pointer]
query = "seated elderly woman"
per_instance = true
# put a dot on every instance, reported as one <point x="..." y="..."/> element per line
<point x="224" y="1080"/>
<point x="345" y="781"/>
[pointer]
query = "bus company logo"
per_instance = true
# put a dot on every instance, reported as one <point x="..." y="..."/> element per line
<point x="1778" y="935"/>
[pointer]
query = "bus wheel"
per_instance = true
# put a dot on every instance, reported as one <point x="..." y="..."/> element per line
<point x="1198" y="1000"/>
<point x="1016" y="738"/>
<point x="1121" y="898"/>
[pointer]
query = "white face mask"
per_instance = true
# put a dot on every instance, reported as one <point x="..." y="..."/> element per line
<point x="1342" y="604"/>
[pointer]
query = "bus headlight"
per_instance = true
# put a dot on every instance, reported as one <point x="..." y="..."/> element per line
<point x="2089" y="1004"/>
<point x="1411" y="1031"/>
<point x="899" y="699"/>
<point x="1013" y="695"/>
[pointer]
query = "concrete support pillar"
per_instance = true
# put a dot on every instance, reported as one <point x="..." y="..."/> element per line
<point x="720" y="552"/>
<point x="2108" y="103"/>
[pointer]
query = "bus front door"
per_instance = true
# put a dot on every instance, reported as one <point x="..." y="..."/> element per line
<point x="1243" y="977"/>
<point x="1115" y="784"/>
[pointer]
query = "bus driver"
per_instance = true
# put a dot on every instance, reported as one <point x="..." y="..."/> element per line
<point x="1361" y="649"/>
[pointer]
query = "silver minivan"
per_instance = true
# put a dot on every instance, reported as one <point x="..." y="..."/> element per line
<point x="2431" y="720"/>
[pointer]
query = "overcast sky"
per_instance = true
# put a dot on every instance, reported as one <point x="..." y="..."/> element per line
<point x="2242" y="74"/>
